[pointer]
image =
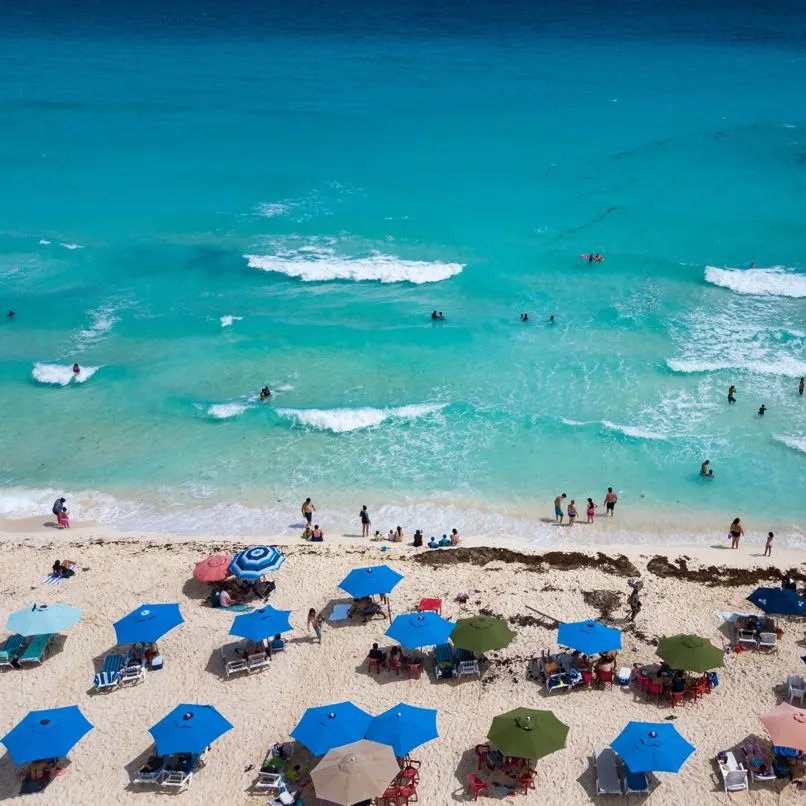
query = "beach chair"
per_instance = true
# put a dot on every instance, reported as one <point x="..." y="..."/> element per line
<point x="443" y="661"/>
<point x="151" y="771"/>
<point x="235" y="665"/>
<point x="11" y="649"/>
<point x="768" y="640"/>
<point x="270" y="780"/>
<point x="36" y="650"/>
<point x="179" y="776"/>
<point x="133" y="673"/>
<point x="605" y="765"/>
<point x="257" y="661"/>
<point x="277" y="645"/>
<point x="747" y="637"/>
<point x="109" y="676"/>
<point x="757" y="762"/>
<point x="635" y="783"/>
<point x="734" y="775"/>
<point x="468" y="667"/>
<point x="795" y="687"/>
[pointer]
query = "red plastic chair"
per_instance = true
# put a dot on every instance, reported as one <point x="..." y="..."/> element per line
<point x="414" y="670"/>
<point x="603" y="677"/>
<point x="391" y="797"/>
<point x="654" y="689"/>
<point x="676" y="697"/>
<point x="394" y="664"/>
<point x="434" y="605"/>
<point x="408" y="794"/>
<point x="375" y="663"/>
<point x="476" y="785"/>
<point x="526" y="780"/>
<point x="587" y="677"/>
<point x="408" y="776"/>
<point x="481" y="754"/>
<point x="643" y="681"/>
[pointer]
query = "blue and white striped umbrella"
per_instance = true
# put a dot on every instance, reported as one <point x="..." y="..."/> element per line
<point x="254" y="562"/>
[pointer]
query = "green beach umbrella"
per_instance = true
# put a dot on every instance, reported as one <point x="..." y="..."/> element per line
<point x="689" y="652"/>
<point x="525" y="733"/>
<point x="481" y="634"/>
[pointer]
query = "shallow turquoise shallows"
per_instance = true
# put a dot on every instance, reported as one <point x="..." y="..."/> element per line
<point x="199" y="200"/>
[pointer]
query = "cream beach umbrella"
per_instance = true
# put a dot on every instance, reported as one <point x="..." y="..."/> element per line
<point x="354" y="772"/>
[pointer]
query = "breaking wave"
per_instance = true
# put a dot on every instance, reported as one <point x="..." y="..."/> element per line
<point x="342" y="421"/>
<point x="776" y="281"/>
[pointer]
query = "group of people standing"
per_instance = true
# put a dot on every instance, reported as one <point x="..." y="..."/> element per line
<point x="610" y="500"/>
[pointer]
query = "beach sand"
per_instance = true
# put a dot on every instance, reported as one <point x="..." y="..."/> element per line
<point x="118" y="572"/>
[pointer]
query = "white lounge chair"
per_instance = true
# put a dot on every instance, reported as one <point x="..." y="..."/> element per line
<point x="176" y="779"/>
<point x="151" y="775"/>
<point x="734" y="775"/>
<point x="270" y="780"/>
<point x="605" y="763"/>
<point x="795" y="687"/>
<point x="747" y="637"/>
<point x="134" y="673"/>
<point x="257" y="661"/>
<point x="468" y="667"/>
<point x="768" y="640"/>
<point x="235" y="665"/>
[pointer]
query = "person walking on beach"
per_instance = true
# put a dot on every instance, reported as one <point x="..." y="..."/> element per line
<point x="610" y="500"/>
<point x="732" y="394"/>
<point x="768" y="545"/>
<point x="558" y="508"/>
<point x="800" y="387"/>
<point x="735" y="533"/>
<point x="572" y="512"/>
<point x="591" y="510"/>
<point x="307" y="510"/>
<point x="315" y="622"/>
<point x="365" y="521"/>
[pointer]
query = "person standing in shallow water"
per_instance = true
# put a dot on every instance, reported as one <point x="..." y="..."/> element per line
<point x="610" y="501"/>
<point x="558" y="508"/>
<point x="307" y="510"/>
<point x="365" y="521"/>
<point x="800" y="387"/>
<point x="732" y="394"/>
<point x="735" y="533"/>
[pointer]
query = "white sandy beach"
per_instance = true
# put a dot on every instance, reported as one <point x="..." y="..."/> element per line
<point x="118" y="572"/>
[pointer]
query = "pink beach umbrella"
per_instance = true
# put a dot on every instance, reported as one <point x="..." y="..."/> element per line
<point x="787" y="726"/>
<point x="213" y="569"/>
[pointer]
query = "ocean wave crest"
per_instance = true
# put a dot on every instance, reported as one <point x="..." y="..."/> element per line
<point x="342" y="421"/>
<point x="272" y="209"/>
<point x="102" y="320"/>
<point x="632" y="431"/>
<point x="312" y="264"/>
<point x="61" y="374"/>
<point x="776" y="281"/>
<point x="225" y="411"/>
<point x="227" y="321"/>
<point x="796" y="443"/>
<point x="787" y="366"/>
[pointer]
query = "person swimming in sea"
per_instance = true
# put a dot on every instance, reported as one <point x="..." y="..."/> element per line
<point x="265" y="393"/>
<point x="76" y="369"/>
<point x="732" y="394"/>
<point x="704" y="467"/>
<point x="524" y="317"/>
<point x="762" y="410"/>
<point x="434" y="315"/>
<point x="11" y="315"/>
<point x="800" y="387"/>
<point x="441" y="316"/>
<point x="551" y="319"/>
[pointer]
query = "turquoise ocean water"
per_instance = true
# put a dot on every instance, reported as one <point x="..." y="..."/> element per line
<point x="200" y="199"/>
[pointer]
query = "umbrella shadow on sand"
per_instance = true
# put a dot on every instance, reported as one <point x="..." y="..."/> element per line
<point x="194" y="589"/>
<point x="500" y="785"/>
<point x="133" y="767"/>
<point x="587" y="782"/>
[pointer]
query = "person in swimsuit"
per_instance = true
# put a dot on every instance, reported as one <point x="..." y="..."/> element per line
<point x="524" y="317"/>
<point x="704" y="467"/>
<point x="433" y="315"/>
<point x="265" y="393"/>
<point x="558" y="508"/>
<point x="768" y="545"/>
<point x="11" y="315"/>
<point x="441" y="316"/>
<point x="572" y="512"/>
<point x="762" y="410"/>
<point x="591" y="510"/>
<point x="610" y="501"/>
<point x="455" y="537"/>
<point x="307" y="510"/>
<point x="58" y="507"/>
<point x="732" y="394"/>
<point x="317" y="536"/>
<point x="800" y="387"/>
<point x="76" y="369"/>
<point x="315" y="623"/>
<point x="735" y="532"/>
<point x="365" y="521"/>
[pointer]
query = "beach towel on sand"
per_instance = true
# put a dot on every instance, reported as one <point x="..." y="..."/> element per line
<point x="237" y="608"/>
<point x="53" y="579"/>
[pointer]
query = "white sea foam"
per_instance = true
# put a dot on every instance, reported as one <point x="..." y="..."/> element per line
<point x="226" y="321"/>
<point x="776" y="281"/>
<point x="317" y="264"/>
<point x="43" y="242"/>
<point x="786" y="366"/>
<point x="632" y="431"/>
<point x="71" y="246"/>
<point x="796" y="443"/>
<point x="341" y="421"/>
<point x="285" y="387"/>
<point x="61" y="374"/>
<point x="102" y="320"/>
<point x="572" y="422"/>
<point x="224" y="411"/>
<point x="272" y="209"/>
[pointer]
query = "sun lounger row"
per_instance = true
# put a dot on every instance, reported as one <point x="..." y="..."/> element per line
<point x="447" y="664"/>
<point x="614" y="778"/>
<point x="236" y="659"/>
<point x="17" y="650"/>
<point x="119" y="670"/>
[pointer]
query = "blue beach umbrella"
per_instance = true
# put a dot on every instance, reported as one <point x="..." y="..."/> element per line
<point x="778" y="602"/>
<point x="328" y="726"/>
<point x="188" y="728"/>
<point x="42" y="619"/>
<point x="589" y="637"/>
<point x="46" y="734"/>
<point x="372" y="581"/>
<point x="260" y="624"/>
<point x="652" y="747"/>
<point x="148" y="623"/>
<point x="404" y="727"/>
<point x="413" y="630"/>
<point x="254" y="562"/>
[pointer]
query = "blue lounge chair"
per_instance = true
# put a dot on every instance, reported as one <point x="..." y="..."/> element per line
<point x="11" y="649"/>
<point x="277" y="645"/>
<point x="635" y="783"/>
<point x="109" y="676"/>
<point x="36" y="650"/>
<point x="443" y="661"/>
<point x="151" y="772"/>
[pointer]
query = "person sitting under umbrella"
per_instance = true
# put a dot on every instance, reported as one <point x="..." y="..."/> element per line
<point x="377" y="654"/>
